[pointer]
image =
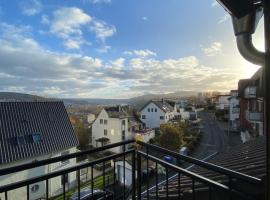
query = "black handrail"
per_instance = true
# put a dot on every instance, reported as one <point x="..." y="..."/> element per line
<point x="195" y="177"/>
<point x="209" y="166"/>
<point x="30" y="181"/>
<point x="60" y="158"/>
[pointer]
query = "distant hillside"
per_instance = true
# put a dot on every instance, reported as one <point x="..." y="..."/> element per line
<point x="138" y="102"/>
<point x="12" y="96"/>
<point x="78" y="101"/>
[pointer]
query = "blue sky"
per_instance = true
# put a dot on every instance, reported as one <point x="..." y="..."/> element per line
<point x="118" y="48"/>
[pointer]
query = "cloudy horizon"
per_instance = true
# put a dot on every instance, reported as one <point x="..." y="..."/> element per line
<point x="118" y="49"/>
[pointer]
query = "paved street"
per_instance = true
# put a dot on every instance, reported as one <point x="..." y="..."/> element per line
<point x="214" y="137"/>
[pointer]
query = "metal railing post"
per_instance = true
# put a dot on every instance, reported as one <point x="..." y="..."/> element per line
<point x="139" y="173"/>
<point x="133" y="176"/>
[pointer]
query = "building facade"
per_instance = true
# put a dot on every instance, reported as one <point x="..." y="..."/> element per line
<point x="155" y="113"/>
<point x="114" y="124"/>
<point x="33" y="131"/>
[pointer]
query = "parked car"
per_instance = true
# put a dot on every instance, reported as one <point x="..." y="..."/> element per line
<point x="86" y="194"/>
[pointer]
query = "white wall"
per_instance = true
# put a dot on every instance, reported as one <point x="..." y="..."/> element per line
<point x="114" y="130"/>
<point x="223" y="102"/>
<point x="54" y="184"/>
<point x="233" y="103"/>
<point x="119" y="171"/>
<point x="152" y="119"/>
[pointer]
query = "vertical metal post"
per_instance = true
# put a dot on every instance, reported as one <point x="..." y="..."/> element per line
<point x="139" y="174"/>
<point x="147" y="170"/>
<point x="133" y="176"/>
<point x="266" y="81"/>
<point x="79" y="183"/>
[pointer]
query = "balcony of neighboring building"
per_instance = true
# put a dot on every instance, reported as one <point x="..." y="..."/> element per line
<point x="254" y="116"/>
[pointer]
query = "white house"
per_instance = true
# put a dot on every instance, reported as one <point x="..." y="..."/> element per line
<point x="155" y="113"/>
<point x="234" y="110"/>
<point x="33" y="131"/>
<point x="113" y="124"/>
<point x="223" y="102"/>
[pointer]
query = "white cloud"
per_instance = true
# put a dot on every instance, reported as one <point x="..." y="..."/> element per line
<point x="102" y="30"/>
<point x="144" y="18"/>
<point x="73" y="44"/>
<point x="140" y="53"/>
<point x="213" y="50"/>
<point x="71" y="23"/>
<point x="224" y="18"/>
<point x="41" y="71"/>
<point x="104" y="49"/>
<point x="31" y="7"/>
<point x="98" y="1"/>
<point x="68" y="21"/>
<point x="45" y="19"/>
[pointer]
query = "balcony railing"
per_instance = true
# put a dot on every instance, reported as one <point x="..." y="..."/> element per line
<point x="250" y="92"/>
<point x="140" y="159"/>
<point x="254" y="116"/>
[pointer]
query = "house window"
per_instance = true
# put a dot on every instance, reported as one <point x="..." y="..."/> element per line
<point x="152" y="109"/>
<point x="101" y="121"/>
<point x="105" y="132"/>
<point x="123" y="135"/>
<point x="64" y="179"/>
<point x="143" y="117"/>
<point x="64" y="162"/>
<point x="155" y="110"/>
<point x="34" y="188"/>
<point x="161" y="117"/>
<point x="123" y="122"/>
<point x="148" y="109"/>
<point x="36" y="137"/>
<point x="105" y="121"/>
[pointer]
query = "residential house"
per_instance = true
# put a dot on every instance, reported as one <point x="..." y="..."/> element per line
<point x="234" y="110"/>
<point x="251" y="105"/>
<point x="114" y="124"/>
<point x="223" y="102"/>
<point x="30" y="132"/>
<point x="154" y="113"/>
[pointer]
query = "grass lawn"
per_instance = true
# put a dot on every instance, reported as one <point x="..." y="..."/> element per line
<point x="98" y="184"/>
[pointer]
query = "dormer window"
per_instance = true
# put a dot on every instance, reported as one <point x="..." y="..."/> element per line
<point x="36" y="137"/>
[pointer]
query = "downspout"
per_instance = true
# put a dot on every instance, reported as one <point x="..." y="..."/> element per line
<point x="243" y="29"/>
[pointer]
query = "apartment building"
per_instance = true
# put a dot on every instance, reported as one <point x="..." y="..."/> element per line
<point x="251" y="104"/>
<point x="234" y="110"/>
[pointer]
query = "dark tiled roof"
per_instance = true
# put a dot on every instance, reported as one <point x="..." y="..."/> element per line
<point x="248" y="158"/>
<point x="23" y="119"/>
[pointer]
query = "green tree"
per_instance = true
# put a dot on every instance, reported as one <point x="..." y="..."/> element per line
<point x="171" y="137"/>
<point x="83" y="134"/>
